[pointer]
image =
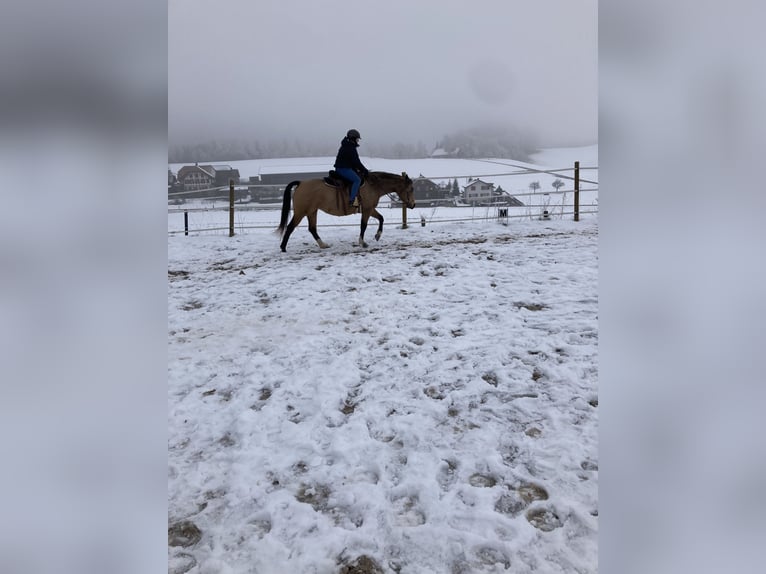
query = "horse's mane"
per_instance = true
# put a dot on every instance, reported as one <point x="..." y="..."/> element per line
<point x="385" y="176"/>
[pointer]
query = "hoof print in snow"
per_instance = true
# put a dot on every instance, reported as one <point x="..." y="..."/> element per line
<point x="588" y="465"/>
<point x="593" y="402"/>
<point x="446" y="476"/>
<point x="511" y="504"/>
<point x="348" y="407"/>
<point x="533" y="432"/>
<point x="407" y="512"/>
<point x="531" y="492"/>
<point x="261" y="526"/>
<point x="482" y="480"/>
<point x="181" y="563"/>
<point x="536" y="374"/>
<point x="316" y="495"/>
<point x="517" y="500"/>
<point x="489" y="556"/>
<point x="361" y="565"/>
<point x="184" y="533"/>
<point x="227" y="440"/>
<point x="191" y="305"/>
<point x="434" y="393"/>
<point x="544" y="519"/>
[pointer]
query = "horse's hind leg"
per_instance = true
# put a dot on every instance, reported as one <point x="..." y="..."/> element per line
<point x="288" y="231"/>
<point x="312" y="217"/>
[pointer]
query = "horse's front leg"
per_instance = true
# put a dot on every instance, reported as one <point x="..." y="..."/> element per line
<point x="363" y="228"/>
<point x="376" y="214"/>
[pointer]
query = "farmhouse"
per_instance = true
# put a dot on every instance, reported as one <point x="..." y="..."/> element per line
<point x="429" y="193"/>
<point x="480" y="192"/>
<point x="204" y="177"/>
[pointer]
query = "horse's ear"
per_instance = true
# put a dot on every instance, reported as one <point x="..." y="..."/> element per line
<point x="405" y="176"/>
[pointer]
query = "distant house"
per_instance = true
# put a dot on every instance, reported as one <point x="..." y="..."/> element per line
<point x="429" y="193"/>
<point x="478" y="191"/>
<point x="224" y="173"/>
<point x="204" y="178"/>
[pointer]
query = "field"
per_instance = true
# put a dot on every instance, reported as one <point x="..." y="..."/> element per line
<point x="428" y="404"/>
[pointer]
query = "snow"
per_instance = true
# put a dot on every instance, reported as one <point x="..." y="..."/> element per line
<point x="429" y="403"/>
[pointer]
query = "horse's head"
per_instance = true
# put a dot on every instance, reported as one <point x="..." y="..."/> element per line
<point x="407" y="194"/>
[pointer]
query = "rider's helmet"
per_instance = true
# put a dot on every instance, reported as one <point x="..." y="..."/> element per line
<point x="353" y="134"/>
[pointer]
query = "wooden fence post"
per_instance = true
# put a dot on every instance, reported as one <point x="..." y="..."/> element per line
<point x="186" y="223"/>
<point x="577" y="192"/>
<point x="231" y="208"/>
<point x="404" y="216"/>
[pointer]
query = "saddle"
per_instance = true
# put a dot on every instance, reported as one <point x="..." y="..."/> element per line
<point x="334" y="179"/>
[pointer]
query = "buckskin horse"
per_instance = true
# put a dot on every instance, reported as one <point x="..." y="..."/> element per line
<point x="312" y="195"/>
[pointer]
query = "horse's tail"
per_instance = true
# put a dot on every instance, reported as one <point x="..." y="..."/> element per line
<point x="286" y="206"/>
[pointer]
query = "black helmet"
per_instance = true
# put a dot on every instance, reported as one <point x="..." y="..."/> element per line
<point x="353" y="134"/>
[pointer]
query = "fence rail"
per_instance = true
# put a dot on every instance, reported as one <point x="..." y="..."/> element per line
<point x="543" y="210"/>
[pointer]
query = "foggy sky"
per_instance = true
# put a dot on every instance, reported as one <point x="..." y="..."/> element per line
<point x="399" y="70"/>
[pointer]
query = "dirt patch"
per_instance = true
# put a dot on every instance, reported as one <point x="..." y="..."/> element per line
<point x="178" y="274"/>
<point x="490" y="378"/>
<point x="529" y="306"/>
<point x="361" y="565"/>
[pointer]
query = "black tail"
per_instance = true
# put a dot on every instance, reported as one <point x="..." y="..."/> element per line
<point x="286" y="206"/>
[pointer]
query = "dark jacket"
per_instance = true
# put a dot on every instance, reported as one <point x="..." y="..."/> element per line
<point x="349" y="157"/>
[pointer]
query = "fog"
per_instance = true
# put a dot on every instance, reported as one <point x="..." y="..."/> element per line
<point x="397" y="71"/>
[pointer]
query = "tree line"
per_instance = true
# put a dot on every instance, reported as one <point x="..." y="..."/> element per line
<point x="469" y="143"/>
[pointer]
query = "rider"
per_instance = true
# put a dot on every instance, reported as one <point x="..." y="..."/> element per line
<point x="348" y="165"/>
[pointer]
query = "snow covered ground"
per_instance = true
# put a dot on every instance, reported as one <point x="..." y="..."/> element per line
<point x="426" y="405"/>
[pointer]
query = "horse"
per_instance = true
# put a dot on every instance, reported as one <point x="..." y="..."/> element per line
<point x="312" y="195"/>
